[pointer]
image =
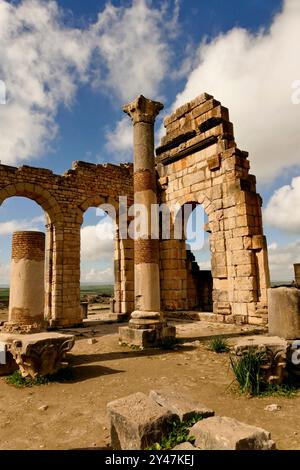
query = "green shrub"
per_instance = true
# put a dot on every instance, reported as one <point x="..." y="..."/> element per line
<point x="179" y="434"/>
<point x="246" y="369"/>
<point x="219" y="345"/>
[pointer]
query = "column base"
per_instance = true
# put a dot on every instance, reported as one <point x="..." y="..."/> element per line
<point x="22" y="328"/>
<point x="154" y="335"/>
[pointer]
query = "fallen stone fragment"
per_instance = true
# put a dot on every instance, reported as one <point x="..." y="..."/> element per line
<point x="43" y="408"/>
<point x="179" y="404"/>
<point x="222" y="433"/>
<point x="137" y="422"/>
<point x="273" y="407"/>
<point x="92" y="341"/>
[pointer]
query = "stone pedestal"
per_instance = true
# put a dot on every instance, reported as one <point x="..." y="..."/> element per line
<point x="284" y="312"/>
<point x="27" y="289"/>
<point x="146" y="327"/>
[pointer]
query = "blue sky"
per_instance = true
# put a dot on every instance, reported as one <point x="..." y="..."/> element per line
<point x="84" y="60"/>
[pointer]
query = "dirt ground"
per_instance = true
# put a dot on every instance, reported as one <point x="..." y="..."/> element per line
<point x="75" y="417"/>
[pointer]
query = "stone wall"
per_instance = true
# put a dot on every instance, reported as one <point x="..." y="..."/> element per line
<point x="199" y="162"/>
<point x="65" y="199"/>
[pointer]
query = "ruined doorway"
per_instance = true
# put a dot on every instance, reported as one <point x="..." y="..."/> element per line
<point x="198" y="259"/>
<point x="97" y="280"/>
<point x="29" y="217"/>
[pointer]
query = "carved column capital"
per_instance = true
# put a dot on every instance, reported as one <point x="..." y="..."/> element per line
<point x="143" y="110"/>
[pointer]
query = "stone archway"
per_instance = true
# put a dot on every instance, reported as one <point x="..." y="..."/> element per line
<point x="199" y="160"/>
<point x="53" y="218"/>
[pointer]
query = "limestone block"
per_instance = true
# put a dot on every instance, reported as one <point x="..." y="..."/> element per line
<point x="222" y="433"/>
<point x="179" y="404"/>
<point x="284" y="312"/>
<point x="137" y="422"/>
<point x="235" y="243"/>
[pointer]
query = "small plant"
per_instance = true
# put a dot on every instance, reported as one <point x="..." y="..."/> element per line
<point x="247" y="371"/>
<point x="17" y="380"/>
<point x="219" y="345"/>
<point x="63" y="375"/>
<point x="179" y="434"/>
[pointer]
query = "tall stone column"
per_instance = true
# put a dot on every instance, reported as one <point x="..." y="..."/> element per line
<point x="146" y="327"/>
<point x="27" y="283"/>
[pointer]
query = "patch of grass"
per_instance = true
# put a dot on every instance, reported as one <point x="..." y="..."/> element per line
<point x="219" y="345"/>
<point x="16" y="379"/>
<point x="284" y="390"/>
<point x="247" y="371"/>
<point x="178" y="434"/>
<point x="4" y="293"/>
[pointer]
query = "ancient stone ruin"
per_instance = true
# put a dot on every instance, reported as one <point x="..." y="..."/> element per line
<point x="197" y="163"/>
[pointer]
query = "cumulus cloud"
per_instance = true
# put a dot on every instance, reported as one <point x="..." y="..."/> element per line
<point x="97" y="242"/>
<point x="132" y="44"/>
<point x="281" y="260"/>
<point x="98" y="276"/>
<point x="282" y="210"/>
<point x="253" y="75"/>
<point x="119" y="141"/>
<point x="7" y="228"/>
<point x="43" y="61"/>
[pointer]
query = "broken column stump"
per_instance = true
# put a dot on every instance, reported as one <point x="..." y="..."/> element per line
<point x="284" y="312"/>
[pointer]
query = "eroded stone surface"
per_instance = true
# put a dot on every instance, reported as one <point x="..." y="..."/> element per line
<point x="185" y="446"/>
<point x="38" y="354"/>
<point x="137" y="422"/>
<point x="222" y="433"/>
<point x="179" y="404"/>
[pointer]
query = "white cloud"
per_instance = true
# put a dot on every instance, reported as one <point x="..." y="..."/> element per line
<point x="119" y="141"/>
<point x="252" y="74"/>
<point x="97" y="242"/>
<point x="98" y="276"/>
<point x="41" y="64"/>
<point x="282" y="210"/>
<point x="125" y="52"/>
<point x="133" y="45"/>
<point x="281" y="260"/>
<point x="7" y="228"/>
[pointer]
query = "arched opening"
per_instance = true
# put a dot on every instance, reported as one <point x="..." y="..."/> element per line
<point x="198" y="259"/>
<point x="17" y="214"/>
<point x="97" y="279"/>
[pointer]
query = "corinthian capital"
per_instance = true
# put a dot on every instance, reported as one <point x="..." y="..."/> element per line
<point x="143" y="110"/>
